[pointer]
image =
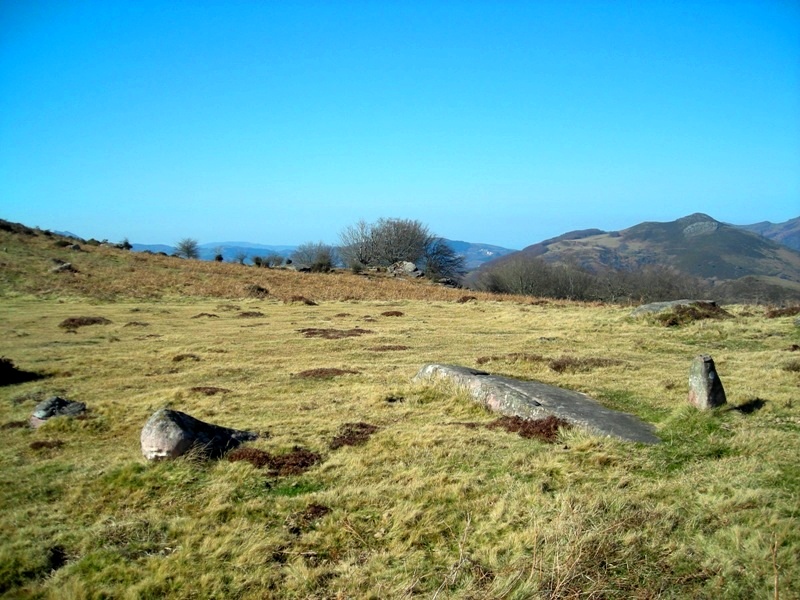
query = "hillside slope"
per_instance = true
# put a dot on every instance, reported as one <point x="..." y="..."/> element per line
<point x="786" y="233"/>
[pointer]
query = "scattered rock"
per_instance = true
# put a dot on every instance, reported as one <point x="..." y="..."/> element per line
<point x="705" y="387"/>
<point x="534" y="400"/>
<point x="404" y="268"/>
<point x="73" y="323"/>
<point x="353" y="434"/>
<point x="75" y="247"/>
<point x="64" y="268"/>
<point x="55" y="407"/>
<point x="171" y="433"/>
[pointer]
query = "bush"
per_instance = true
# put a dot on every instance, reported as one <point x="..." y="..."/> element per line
<point x="188" y="248"/>
<point x="316" y="256"/>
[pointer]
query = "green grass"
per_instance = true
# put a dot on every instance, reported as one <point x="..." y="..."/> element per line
<point x="433" y="503"/>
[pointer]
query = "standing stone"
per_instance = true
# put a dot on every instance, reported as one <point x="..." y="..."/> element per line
<point x="171" y="433"/>
<point x="705" y="387"/>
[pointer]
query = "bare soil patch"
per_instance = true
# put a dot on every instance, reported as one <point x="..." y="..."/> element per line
<point x="296" y="461"/>
<point x="46" y="444"/>
<point x="207" y="315"/>
<point x="324" y="373"/>
<point x="75" y="322"/>
<point x="250" y="314"/>
<point x="13" y="425"/>
<point x="353" y="434"/>
<point x="230" y="307"/>
<point x="545" y="429"/>
<point x="513" y="357"/>
<point x="209" y="390"/>
<point x="788" y="311"/>
<point x="388" y="348"/>
<point x="793" y="348"/>
<point x="342" y="315"/>
<point x="136" y="324"/>
<point x="302" y="300"/>
<point x="576" y="364"/>
<point x="187" y="356"/>
<point x="256" y="291"/>
<point x="334" y="334"/>
<point x="297" y="523"/>
<point x="465" y="299"/>
<point x="392" y="313"/>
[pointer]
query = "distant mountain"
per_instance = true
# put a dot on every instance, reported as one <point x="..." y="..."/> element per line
<point x="696" y="245"/>
<point x="786" y="233"/>
<point x="477" y="254"/>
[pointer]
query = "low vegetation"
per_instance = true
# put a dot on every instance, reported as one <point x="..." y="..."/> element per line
<point x="363" y="483"/>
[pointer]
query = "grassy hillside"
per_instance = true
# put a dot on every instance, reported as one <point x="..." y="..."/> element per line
<point x="696" y="245"/>
<point x="432" y="502"/>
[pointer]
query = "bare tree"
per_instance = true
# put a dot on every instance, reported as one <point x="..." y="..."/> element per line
<point x="357" y="246"/>
<point x="188" y="248"/>
<point x="442" y="262"/>
<point x="399" y="240"/>
<point x="317" y="256"/>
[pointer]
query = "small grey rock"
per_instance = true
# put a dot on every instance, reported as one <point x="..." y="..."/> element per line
<point x="55" y="407"/>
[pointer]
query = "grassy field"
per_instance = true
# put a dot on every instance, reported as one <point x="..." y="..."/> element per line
<point x="431" y="503"/>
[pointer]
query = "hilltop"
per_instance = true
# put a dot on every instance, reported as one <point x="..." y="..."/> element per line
<point x="730" y="258"/>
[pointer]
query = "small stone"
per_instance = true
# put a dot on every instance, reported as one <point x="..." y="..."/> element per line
<point x="705" y="386"/>
<point x="64" y="268"/>
<point x="171" y="433"/>
<point x="55" y="407"/>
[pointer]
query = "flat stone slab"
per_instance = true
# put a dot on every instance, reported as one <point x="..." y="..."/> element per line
<point x="533" y="400"/>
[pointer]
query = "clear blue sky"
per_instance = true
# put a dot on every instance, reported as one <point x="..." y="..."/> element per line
<point x="281" y="122"/>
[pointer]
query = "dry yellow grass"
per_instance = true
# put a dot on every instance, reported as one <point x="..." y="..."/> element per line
<point x="433" y="504"/>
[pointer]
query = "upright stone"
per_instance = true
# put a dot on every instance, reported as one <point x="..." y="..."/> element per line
<point x="705" y="387"/>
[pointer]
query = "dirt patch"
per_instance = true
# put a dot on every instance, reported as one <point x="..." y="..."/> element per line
<point x="793" y="366"/>
<point x="46" y="444"/>
<point x="250" y="314"/>
<point x="11" y="375"/>
<point x="229" y="307"/>
<point x="392" y="313"/>
<point x="297" y="461"/>
<point x="207" y="315"/>
<point x="465" y="299"/>
<point x="353" y="434"/>
<point x="297" y="523"/>
<point x="512" y="357"/>
<point x="75" y="322"/>
<point x="13" y="425"/>
<point x="793" y="348"/>
<point x="209" y="390"/>
<point x="574" y="364"/>
<point x="685" y="314"/>
<point x="388" y="348"/>
<point x="182" y="357"/>
<point x="256" y="291"/>
<point x="392" y="399"/>
<point x="136" y="324"/>
<point x="788" y="311"/>
<point x="257" y="458"/>
<point x="342" y="315"/>
<point x="302" y="300"/>
<point x="334" y="334"/>
<point x="324" y="373"/>
<point x="545" y="429"/>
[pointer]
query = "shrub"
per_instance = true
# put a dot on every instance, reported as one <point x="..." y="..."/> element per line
<point x="188" y="248"/>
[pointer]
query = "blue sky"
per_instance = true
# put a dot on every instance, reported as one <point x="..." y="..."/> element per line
<point x="281" y="122"/>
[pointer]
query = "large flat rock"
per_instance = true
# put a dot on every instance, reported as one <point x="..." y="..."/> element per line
<point x="534" y="400"/>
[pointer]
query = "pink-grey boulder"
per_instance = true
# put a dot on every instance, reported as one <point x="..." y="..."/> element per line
<point x="171" y="433"/>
